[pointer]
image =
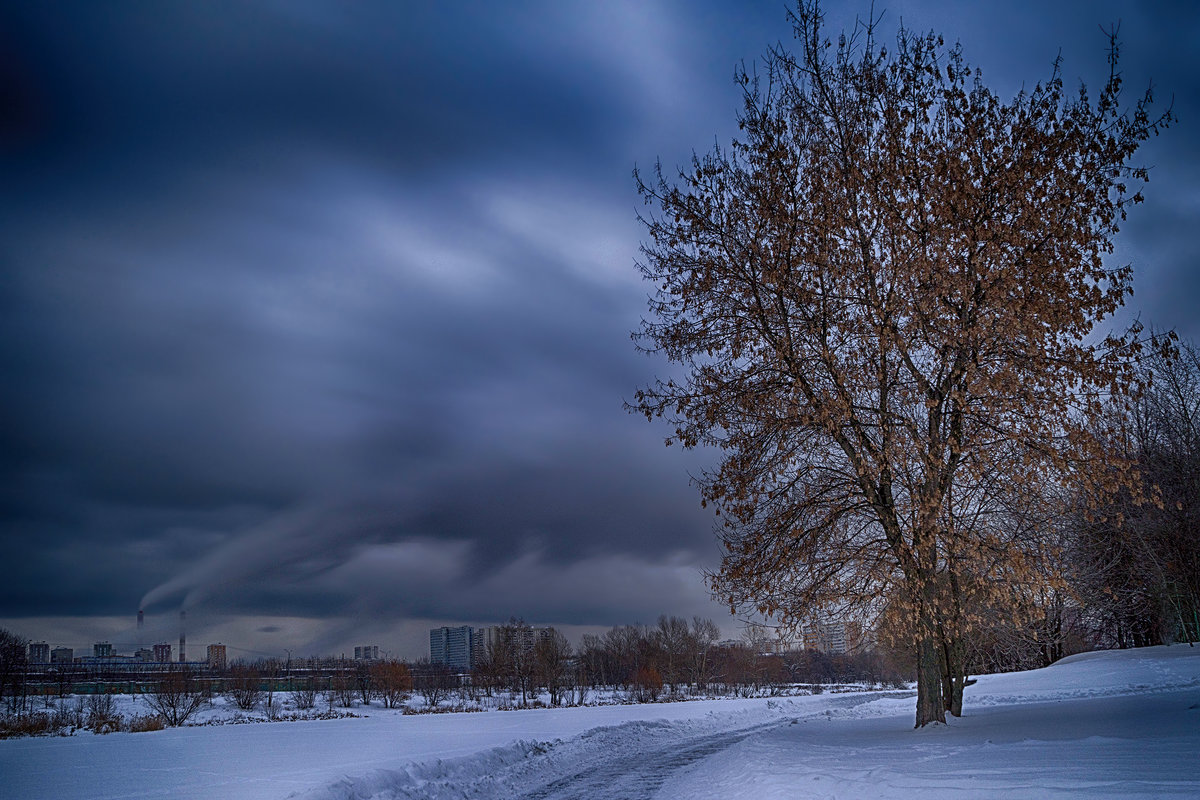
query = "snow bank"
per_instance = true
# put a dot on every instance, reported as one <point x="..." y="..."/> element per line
<point x="1098" y="725"/>
<point x="1098" y="674"/>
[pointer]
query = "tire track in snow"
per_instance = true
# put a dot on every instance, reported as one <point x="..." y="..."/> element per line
<point x="642" y="776"/>
<point x="639" y="775"/>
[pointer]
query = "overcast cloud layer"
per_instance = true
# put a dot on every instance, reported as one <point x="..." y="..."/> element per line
<point x="320" y="313"/>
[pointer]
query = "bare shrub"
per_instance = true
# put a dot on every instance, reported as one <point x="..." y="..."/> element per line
<point x="245" y="686"/>
<point x="392" y="682"/>
<point x="102" y="716"/>
<point x="343" y="689"/>
<point x="433" y="681"/>
<point x="647" y="685"/>
<point x="176" y="696"/>
<point x="142" y="723"/>
<point x="304" y="694"/>
<point x="13" y="726"/>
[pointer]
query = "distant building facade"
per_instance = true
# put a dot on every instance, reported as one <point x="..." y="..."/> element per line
<point x="367" y="652"/>
<point x="832" y="637"/>
<point x="216" y="656"/>
<point x="62" y="655"/>
<point x="464" y="648"/>
<point x="162" y="652"/>
<point x="39" y="653"/>
<point x="453" y="647"/>
<point x="481" y="640"/>
<point x="144" y="654"/>
<point x="102" y="650"/>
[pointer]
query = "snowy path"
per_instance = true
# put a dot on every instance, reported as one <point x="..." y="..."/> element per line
<point x="628" y="761"/>
<point x="641" y="776"/>
<point x="639" y="772"/>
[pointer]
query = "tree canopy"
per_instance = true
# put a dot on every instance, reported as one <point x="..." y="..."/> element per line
<point x="885" y="295"/>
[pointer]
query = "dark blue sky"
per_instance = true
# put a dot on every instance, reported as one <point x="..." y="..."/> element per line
<point x="316" y="316"/>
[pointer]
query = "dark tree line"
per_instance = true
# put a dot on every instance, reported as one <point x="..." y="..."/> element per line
<point x="1136" y="557"/>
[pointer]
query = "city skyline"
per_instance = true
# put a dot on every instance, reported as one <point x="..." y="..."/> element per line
<point x="318" y="317"/>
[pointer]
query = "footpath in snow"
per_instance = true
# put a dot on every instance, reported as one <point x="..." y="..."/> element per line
<point x="1097" y="725"/>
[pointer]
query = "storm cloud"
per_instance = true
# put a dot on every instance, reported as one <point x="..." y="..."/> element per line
<point x="319" y="313"/>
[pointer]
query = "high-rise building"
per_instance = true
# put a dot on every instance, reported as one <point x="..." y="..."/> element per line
<point x="102" y="650"/>
<point x="39" y="653"/>
<point x="525" y="637"/>
<point x="832" y="636"/>
<point x="481" y="639"/>
<point x="367" y="652"/>
<point x="216" y="656"/>
<point x="62" y="655"/>
<point x="453" y="647"/>
<point x="162" y="652"/>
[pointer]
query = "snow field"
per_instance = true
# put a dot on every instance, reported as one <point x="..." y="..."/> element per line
<point x="1104" y="725"/>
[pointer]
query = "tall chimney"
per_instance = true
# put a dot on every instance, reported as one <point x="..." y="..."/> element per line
<point x="182" y="636"/>
<point x="141" y="619"/>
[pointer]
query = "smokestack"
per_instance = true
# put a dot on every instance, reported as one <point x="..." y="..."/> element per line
<point x="141" y="619"/>
<point x="182" y="636"/>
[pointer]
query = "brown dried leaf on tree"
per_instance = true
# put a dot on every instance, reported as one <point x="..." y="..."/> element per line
<point x="884" y="294"/>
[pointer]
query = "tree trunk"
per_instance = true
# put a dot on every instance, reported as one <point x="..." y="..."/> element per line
<point x="954" y="676"/>
<point x="930" y="707"/>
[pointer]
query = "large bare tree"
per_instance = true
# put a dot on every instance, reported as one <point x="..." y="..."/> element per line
<point x="885" y="295"/>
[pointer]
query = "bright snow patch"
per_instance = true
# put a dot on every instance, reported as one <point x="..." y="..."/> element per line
<point x="1116" y="725"/>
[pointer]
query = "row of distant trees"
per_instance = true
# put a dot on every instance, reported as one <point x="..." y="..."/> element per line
<point x="672" y="659"/>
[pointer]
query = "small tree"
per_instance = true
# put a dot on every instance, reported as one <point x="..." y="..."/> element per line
<point x="647" y="685"/>
<point x="102" y="716"/>
<point x="271" y="669"/>
<point x="245" y="686"/>
<point x="343" y="687"/>
<point x="176" y="696"/>
<point x="675" y="644"/>
<point x="12" y="665"/>
<point x="552" y="659"/>
<point x="304" y="693"/>
<point x="392" y="681"/>
<point x="433" y="681"/>
<point x="704" y="636"/>
<point x="364" y="679"/>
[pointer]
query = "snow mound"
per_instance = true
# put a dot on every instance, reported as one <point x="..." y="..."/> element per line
<point x="1107" y="673"/>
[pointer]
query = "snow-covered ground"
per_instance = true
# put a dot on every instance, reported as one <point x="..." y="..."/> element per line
<point x="1114" y="725"/>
